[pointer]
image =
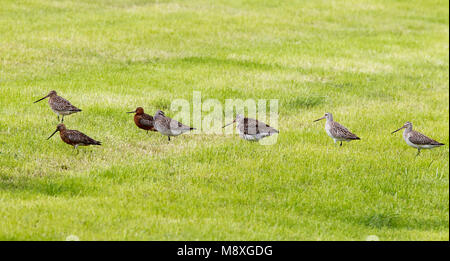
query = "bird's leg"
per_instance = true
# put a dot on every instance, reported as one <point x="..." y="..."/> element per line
<point x="340" y="145"/>
<point x="418" y="152"/>
<point x="168" y="137"/>
<point x="58" y="117"/>
<point x="62" y="119"/>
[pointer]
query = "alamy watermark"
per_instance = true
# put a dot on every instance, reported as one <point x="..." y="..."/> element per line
<point x="210" y="115"/>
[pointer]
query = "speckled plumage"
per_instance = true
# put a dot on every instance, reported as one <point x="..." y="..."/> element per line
<point x="59" y="105"/>
<point x="339" y="132"/>
<point x="418" y="138"/>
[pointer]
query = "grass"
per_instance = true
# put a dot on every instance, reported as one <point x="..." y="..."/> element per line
<point x="373" y="64"/>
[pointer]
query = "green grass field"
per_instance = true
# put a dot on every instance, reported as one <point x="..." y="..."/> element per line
<point x="373" y="64"/>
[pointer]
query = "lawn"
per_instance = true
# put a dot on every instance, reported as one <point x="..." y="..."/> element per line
<point x="373" y="64"/>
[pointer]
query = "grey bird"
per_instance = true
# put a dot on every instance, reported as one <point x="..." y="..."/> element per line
<point x="336" y="131"/>
<point x="169" y="127"/>
<point x="59" y="105"/>
<point x="251" y="129"/>
<point x="416" y="139"/>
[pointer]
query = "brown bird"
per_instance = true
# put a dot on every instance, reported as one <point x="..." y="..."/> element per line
<point x="59" y="105"/>
<point x="143" y="120"/>
<point x="74" y="137"/>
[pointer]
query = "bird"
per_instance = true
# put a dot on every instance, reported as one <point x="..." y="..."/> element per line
<point x="416" y="139"/>
<point x="59" y="105"/>
<point x="336" y="131"/>
<point x="74" y="137"/>
<point x="143" y="120"/>
<point x="251" y="129"/>
<point x="169" y="127"/>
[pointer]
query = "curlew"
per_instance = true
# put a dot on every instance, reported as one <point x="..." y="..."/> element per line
<point x="74" y="137"/>
<point x="143" y="120"/>
<point x="251" y="129"/>
<point x="169" y="127"/>
<point x="416" y="139"/>
<point x="59" y="105"/>
<point x="336" y="131"/>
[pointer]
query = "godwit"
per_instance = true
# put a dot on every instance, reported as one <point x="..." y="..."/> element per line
<point x="336" y="131"/>
<point x="167" y="126"/>
<point x="59" y="105"/>
<point x="251" y="129"/>
<point x="143" y="120"/>
<point x="416" y="139"/>
<point x="74" y="137"/>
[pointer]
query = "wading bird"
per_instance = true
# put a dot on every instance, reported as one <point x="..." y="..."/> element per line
<point x="59" y="105"/>
<point x="416" y="139"/>
<point x="143" y="120"/>
<point x="74" y="137"/>
<point x="251" y="129"/>
<point x="169" y="127"/>
<point x="336" y="131"/>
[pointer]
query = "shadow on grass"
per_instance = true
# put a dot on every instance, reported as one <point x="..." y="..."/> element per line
<point x="392" y="220"/>
<point x="231" y="62"/>
<point x="202" y="60"/>
<point x="49" y="185"/>
<point x="304" y="102"/>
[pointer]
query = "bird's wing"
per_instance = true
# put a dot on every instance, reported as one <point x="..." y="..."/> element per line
<point x="339" y="131"/>
<point x="252" y="126"/>
<point x="172" y="124"/>
<point x="175" y="125"/>
<point x="146" y="120"/>
<point x="62" y="104"/>
<point x="77" y="137"/>
<point x="420" y="139"/>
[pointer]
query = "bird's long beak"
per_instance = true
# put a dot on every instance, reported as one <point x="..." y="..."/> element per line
<point x="320" y="119"/>
<point x="53" y="134"/>
<point x="131" y="111"/>
<point x="397" y="130"/>
<point x="41" y="99"/>
<point x="229" y="123"/>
